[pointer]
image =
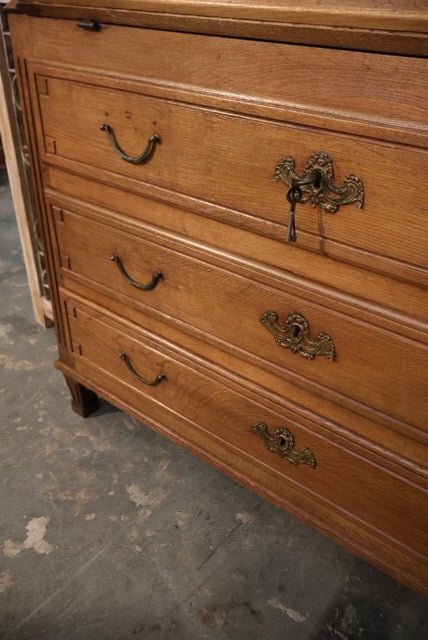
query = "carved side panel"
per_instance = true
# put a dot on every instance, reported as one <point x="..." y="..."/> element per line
<point x="26" y="170"/>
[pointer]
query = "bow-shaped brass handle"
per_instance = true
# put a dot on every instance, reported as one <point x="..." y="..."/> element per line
<point x="138" y="285"/>
<point x="151" y="383"/>
<point x="144" y="155"/>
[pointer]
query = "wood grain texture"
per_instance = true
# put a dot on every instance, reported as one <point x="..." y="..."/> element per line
<point x="368" y="364"/>
<point x="345" y="90"/>
<point x="389" y="27"/>
<point x="217" y="409"/>
<point x="236" y="234"/>
<point x="398" y="15"/>
<point x="373" y="545"/>
<point x="230" y="160"/>
<point x="206" y="212"/>
<point x="405" y="446"/>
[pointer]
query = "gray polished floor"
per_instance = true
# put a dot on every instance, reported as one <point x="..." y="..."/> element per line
<point x="110" y="532"/>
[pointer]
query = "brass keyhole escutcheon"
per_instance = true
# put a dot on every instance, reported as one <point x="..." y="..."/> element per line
<point x="316" y="185"/>
<point x="281" y="441"/>
<point x="294" y="334"/>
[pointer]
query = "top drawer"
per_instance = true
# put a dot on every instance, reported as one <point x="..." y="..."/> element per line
<point x="227" y="162"/>
<point x="227" y="111"/>
<point x="371" y="94"/>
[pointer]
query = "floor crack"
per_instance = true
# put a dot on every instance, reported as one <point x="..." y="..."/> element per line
<point x="237" y="526"/>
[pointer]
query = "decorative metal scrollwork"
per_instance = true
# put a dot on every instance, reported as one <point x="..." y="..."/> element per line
<point x="316" y="185"/>
<point x="321" y="191"/>
<point x="148" y="286"/>
<point x="294" y="335"/>
<point x="281" y="441"/>
<point x="144" y="156"/>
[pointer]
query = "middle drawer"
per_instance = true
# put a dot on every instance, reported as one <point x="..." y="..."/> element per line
<point x="233" y="304"/>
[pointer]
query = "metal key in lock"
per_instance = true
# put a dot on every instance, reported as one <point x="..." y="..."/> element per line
<point x="294" y="195"/>
<point x="317" y="187"/>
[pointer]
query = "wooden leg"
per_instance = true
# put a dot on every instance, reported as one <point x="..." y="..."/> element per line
<point x="83" y="401"/>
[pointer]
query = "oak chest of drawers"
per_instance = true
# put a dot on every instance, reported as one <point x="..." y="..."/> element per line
<point x="234" y="206"/>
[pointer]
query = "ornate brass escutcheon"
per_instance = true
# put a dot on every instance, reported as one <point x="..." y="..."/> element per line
<point x="316" y="185"/>
<point x="281" y="441"/>
<point x="294" y="335"/>
<point x="144" y="156"/>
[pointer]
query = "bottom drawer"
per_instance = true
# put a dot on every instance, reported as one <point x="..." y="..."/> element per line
<point x="346" y="490"/>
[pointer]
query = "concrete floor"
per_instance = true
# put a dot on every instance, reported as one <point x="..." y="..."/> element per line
<point x="110" y="532"/>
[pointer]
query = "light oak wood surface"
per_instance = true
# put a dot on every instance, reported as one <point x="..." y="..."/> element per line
<point x="230" y="160"/>
<point x="401" y="14"/>
<point x="205" y="211"/>
<point x="367" y="363"/>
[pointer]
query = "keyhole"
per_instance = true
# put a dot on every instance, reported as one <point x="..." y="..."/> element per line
<point x="296" y="332"/>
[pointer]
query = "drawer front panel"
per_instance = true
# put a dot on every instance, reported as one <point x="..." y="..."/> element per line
<point x="230" y="161"/>
<point x="406" y="303"/>
<point x="348" y="90"/>
<point x="227" y="414"/>
<point x="298" y="367"/>
<point x="373" y="366"/>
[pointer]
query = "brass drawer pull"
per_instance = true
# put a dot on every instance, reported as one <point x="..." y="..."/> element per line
<point x="151" y="383"/>
<point x="144" y="155"/>
<point x="316" y="186"/>
<point x="145" y="287"/>
<point x="294" y="335"/>
<point x="281" y="441"/>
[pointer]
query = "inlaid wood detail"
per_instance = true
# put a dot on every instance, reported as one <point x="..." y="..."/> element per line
<point x="70" y="310"/>
<point x="58" y="214"/>
<point x="42" y="85"/>
<point x="77" y="348"/>
<point x="50" y="144"/>
<point x="65" y="262"/>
